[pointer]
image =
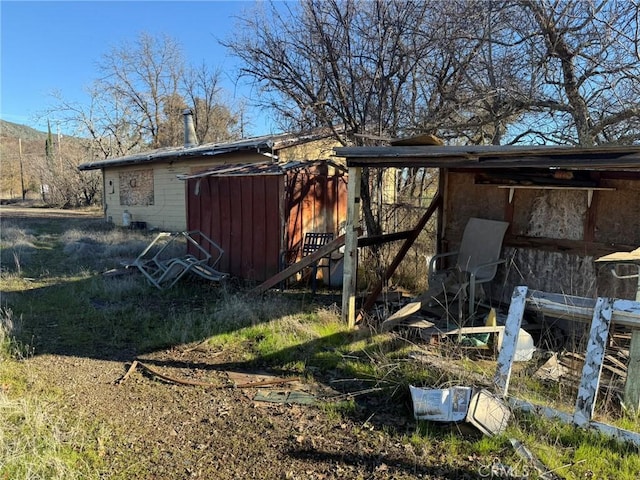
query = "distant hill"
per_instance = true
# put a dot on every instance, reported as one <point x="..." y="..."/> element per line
<point x="15" y="130"/>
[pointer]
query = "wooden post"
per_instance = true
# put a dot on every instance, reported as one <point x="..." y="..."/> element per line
<point x="510" y="341"/>
<point x="632" y="384"/>
<point x="349" y="278"/>
<point x="590" y="381"/>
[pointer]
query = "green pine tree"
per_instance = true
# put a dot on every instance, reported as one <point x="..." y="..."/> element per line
<point x="48" y="144"/>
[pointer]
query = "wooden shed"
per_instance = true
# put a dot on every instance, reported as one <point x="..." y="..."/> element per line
<point x="565" y="206"/>
<point x="259" y="213"/>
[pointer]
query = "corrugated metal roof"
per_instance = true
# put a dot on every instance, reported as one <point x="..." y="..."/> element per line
<point x="261" y="168"/>
<point x="263" y="144"/>
<point x="490" y="156"/>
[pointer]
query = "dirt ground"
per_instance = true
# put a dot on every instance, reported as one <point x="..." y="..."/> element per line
<point x="157" y="429"/>
<point x="168" y="430"/>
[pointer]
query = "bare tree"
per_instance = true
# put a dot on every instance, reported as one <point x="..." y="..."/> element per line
<point x="588" y="76"/>
<point x="350" y="66"/>
<point x="138" y="101"/>
<point x="213" y="119"/>
<point x="144" y="76"/>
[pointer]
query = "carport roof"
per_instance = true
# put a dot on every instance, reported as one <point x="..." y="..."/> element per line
<point x="259" y="168"/>
<point x="490" y="156"/>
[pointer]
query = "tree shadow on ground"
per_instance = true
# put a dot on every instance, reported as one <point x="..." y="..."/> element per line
<point x="368" y="465"/>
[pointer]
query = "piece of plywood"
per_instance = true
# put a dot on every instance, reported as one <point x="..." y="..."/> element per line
<point x="618" y="257"/>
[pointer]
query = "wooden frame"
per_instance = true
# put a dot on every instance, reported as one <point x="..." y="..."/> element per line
<point x="603" y="312"/>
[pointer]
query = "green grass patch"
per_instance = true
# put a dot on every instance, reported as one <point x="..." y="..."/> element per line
<point x="36" y="443"/>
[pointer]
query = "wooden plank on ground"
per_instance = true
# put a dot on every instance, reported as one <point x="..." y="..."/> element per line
<point x="303" y="263"/>
<point x="596" y="345"/>
<point x="510" y="341"/>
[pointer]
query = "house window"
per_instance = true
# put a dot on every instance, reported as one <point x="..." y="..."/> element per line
<point x="136" y="187"/>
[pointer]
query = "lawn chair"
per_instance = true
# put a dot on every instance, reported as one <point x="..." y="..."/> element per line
<point x="172" y="255"/>
<point x="312" y="242"/>
<point x="476" y="263"/>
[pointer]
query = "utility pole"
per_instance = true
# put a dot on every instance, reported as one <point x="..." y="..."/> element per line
<point x="24" y="193"/>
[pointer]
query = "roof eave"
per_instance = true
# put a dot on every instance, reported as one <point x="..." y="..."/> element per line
<point x="492" y="157"/>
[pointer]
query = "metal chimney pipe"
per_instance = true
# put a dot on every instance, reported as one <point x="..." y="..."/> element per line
<point x="190" y="137"/>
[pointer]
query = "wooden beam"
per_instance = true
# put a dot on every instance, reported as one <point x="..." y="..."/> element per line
<point x="510" y="341"/>
<point x="625" y="312"/>
<point x="575" y="247"/>
<point x="304" y="262"/>
<point x="349" y="277"/>
<point x="384" y="238"/>
<point x="590" y="381"/>
<point x="371" y="299"/>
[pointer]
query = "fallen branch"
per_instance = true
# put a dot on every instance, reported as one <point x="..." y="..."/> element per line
<point x="132" y="368"/>
<point x="196" y="383"/>
<point x="180" y="381"/>
<point x="265" y="383"/>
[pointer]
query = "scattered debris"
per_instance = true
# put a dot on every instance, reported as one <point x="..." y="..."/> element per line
<point x="300" y="398"/>
<point x="182" y="381"/>
<point x="117" y="272"/>
<point x="199" y="255"/>
<point x="131" y="369"/>
<point x="455" y="404"/>
<point x="443" y="363"/>
<point x="526" y="454"/>
<point x="553" y="370"/>
<point x="492" y="337"/>
<point x="567" y="368"/>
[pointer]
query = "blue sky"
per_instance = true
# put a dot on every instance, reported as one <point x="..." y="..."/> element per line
<point x="49" y="46"/>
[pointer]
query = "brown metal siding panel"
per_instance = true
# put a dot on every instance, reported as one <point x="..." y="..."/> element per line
<point x="258" y="238"/>
<point x="247" y="220"/>
<point x="245" y="215"/>
<point x="273" y="226"/>
<point x="233" y="190"/>
<point x="241" y="214"/>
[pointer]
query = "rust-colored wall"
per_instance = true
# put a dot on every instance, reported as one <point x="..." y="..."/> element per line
<point x="316" y="202"/>
<point x="248" y="215"/>
<point x="242" y="215"/>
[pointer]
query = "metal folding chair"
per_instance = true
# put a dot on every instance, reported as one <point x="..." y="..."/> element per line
<point x="312" y="242"/>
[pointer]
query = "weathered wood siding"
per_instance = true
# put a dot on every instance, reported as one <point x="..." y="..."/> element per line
<point x="554" y="237"/>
